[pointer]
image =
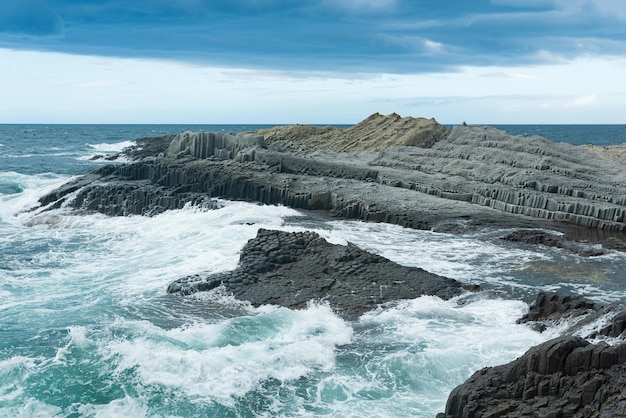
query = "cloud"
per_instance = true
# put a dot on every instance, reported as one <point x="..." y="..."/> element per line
<point x="361" y="6"/>
<point x="581" y="102"/>
<point x="393" y="36"/>
<point x="509" y="76"/>
<point x="29" y="17"/>
<point x="529" y="4"/>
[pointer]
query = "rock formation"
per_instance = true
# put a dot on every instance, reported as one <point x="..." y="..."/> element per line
<point x="479" y="174"/>
<point x="291" y="269"/>
<point x="375" y="133"/>
<point x="612" y="152"/>
<point x="414" y="173"/>
<point x="563" y="377"/>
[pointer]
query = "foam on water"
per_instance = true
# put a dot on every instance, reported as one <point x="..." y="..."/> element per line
<point x="222" y="362"/>
<point x="96" y="152"/>
<point x="513" y="268"/>
<point x="87" y="329"/>
<point x="406" y="359"/>
<point x="111" y="148"/>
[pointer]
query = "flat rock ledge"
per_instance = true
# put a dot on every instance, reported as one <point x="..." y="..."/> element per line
<point x="292" y="269"/>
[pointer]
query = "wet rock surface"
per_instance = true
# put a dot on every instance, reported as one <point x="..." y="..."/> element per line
<point x="563" y="377"/>
<point x="414" y="173"/>
<point x="292" y="269"/>
<point x="551" y="239"/>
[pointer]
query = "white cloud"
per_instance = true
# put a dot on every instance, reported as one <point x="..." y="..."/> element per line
<point x="432" y="45"/>
<point x="613" y="8"/>
<point x="94" y="83"/>
<point x="59" y="88"/>
<point x="583" y="101"/>
<point x="415" y="43"/>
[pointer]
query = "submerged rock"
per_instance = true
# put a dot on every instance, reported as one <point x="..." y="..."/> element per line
<point x="291" y="269"/>
<point x="550" y="239"/>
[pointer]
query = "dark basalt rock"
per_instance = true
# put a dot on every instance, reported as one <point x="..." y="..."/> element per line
<point x="291" y="269"/>
<point x="550" y="308"/>
<point x="549" y="239"/>
<point x="563" y="377"/>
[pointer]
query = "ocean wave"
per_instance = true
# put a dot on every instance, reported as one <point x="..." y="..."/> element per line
<point x="225" y="361"/>
<point x="111" y="147"/>
<point x="29" y="188"/>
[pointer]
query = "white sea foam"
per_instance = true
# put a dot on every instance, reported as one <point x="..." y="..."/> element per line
<point x="33" y="187"/>
<point x="111" y="148"/>
<point x="459" y="257"/>
<point x="224" y="361"/>
<point x="123" y="407"/>
<point x="412" y="355"/>
<point x="106" y="149"/>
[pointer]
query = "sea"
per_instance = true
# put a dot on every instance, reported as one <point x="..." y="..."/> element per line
<point x="87" y="329"/>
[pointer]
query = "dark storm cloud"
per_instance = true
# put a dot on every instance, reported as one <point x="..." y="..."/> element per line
<point x="400" y="36"/>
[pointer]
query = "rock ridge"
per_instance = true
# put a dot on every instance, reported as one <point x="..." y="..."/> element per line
<point x="475" y="172"/>
<point x="292" y="268"/>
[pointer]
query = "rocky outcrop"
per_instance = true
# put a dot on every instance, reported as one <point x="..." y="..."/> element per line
<point x="291" y="269"/>
<point x="479" y="174"/>
<point x="563" y="377"/>
<point x="585" y="318"/>
<point x="377" y="132"/>
<point x="612" y="152"/>
<point x="530" y="176"/>
<point x="551" y="239"/>
<point x="201" y="145"/>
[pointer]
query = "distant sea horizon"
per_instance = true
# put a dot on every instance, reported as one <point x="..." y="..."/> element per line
<point x="575" y="134"/>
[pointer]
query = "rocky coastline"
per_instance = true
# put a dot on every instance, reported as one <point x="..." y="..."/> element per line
<point x="418" y="174"/>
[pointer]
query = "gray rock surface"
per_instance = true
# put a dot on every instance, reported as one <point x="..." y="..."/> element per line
<point x="563" y="377"/>
<point x="292" y="269"/>
<point x="478" y="174"/>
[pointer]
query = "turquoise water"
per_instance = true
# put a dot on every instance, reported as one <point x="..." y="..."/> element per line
<point x="87" y="329"/>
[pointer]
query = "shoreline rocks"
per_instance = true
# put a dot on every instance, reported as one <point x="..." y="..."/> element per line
<point x="563" y="377"/>
<point x="477" y="174"/>
<point x="291" y="269"/>
<point x="414" y="173"/>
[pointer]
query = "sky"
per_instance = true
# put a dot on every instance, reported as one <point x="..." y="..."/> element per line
<point x="312" y="61"/>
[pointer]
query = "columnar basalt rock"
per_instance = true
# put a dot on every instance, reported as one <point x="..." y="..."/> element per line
<point x="563" y="377"/>
<point x="291" y="269"/>
<point x="479" y="173"/>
